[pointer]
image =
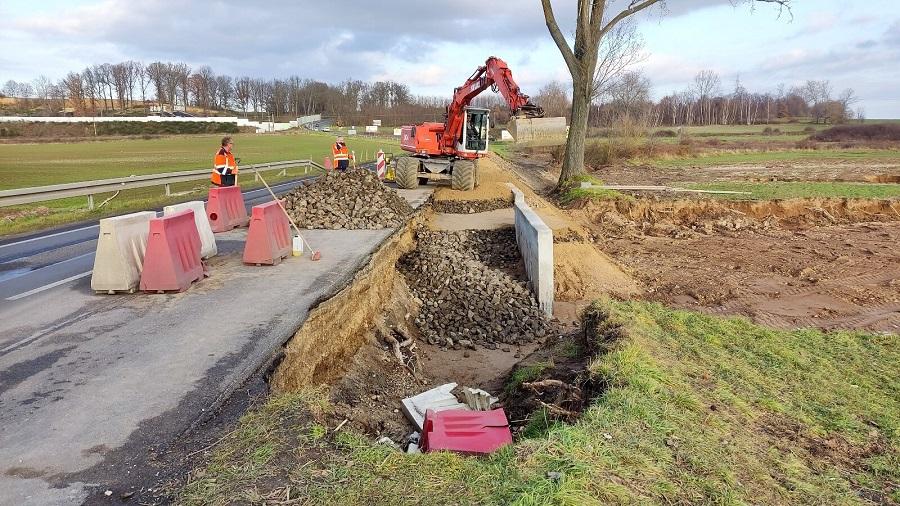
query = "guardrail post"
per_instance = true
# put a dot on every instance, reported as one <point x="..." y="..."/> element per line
<point x="283" y="172"/>
<point x="168" y="190"/>
<point x="256" y="176"/>
<point x="90" y="202"/>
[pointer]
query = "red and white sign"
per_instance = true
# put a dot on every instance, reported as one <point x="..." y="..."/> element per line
<point x="379" y="164"/>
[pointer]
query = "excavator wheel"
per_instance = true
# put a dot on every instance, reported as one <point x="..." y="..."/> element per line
<point x="463" y="177"/>
<point x="407" y="175"/>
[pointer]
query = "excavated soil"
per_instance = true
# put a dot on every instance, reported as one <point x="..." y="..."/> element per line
<point x="820" y="263"/>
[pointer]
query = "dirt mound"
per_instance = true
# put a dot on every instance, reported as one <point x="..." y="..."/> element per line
<point x="352" y="200"/>
<point x="690" y="217"/>
<point x="463" y="283"/>
<point x="584" y="273"/>
<point x="471" y="206"/>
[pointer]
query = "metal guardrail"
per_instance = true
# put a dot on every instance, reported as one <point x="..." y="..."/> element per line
<point x="90" y="188"/>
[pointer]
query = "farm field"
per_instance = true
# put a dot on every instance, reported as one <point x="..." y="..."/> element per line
<point x="26" y="165"/>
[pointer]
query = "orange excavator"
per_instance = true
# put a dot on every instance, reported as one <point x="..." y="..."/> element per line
<point x="450" y="150"/>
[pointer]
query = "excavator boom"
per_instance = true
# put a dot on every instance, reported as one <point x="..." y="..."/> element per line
<point x="450" y="150"/>
<point x="493" y="74"/>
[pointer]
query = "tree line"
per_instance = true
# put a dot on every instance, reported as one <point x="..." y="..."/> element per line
<point x="627" y="99"/>
<point x="133" y="87"/>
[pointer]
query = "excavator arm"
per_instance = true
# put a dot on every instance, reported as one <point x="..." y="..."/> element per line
<point x="493" y="74"/>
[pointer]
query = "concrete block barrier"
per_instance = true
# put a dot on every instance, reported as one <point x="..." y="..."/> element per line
<point x="173" y="259"/>
<point x="269" y="237"/>
<point x="225" y="208"/>
<point x="208" y="248"/>
<point x="535" y="240"/>
<point x="121" y="247"/>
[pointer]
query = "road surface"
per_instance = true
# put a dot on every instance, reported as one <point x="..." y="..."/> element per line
<point x="89" y="384"/>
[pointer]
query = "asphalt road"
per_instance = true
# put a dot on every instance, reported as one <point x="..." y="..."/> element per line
<point x="43" y="261"/>
<point x="92" y="387"/>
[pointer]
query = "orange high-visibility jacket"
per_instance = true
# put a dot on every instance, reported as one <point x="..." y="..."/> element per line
<point x="223" y="164"/>
<point x="338" y="153"/>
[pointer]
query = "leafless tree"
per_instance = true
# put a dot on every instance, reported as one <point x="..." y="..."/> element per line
<point x="225" y="91"/>
<point x="620" y="49"/>
<point x="43" y="89"/>
<point x="706" y="85"/>
<point x="554" y="98"/>
<point x="243" y="92"/>
<point x="10" y="88"/>
<point x="592" y="23"/>
<point x="75" y="89"/>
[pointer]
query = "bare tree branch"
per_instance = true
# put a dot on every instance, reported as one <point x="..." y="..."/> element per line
<point x="633" y="8"/>
<point x="558" y="38"/>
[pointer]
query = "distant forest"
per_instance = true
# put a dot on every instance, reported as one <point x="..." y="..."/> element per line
<point x="133" y="88"/>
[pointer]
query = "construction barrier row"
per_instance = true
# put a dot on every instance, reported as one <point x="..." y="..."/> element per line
<point x="141" y="251"/>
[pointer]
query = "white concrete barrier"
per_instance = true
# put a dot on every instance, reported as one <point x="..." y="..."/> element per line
<point x="535" y="240"/>
<point x="208" y="246"/>
<point x="120" y="252"/>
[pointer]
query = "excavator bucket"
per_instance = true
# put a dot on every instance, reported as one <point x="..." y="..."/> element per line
<point x="539" y="131"/>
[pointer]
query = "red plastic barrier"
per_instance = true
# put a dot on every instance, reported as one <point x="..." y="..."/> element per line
<point x="468" y="432"/>
<point x="225" y="208"/>
<point x="269" y="238"/>
<point x="172" y="261"/>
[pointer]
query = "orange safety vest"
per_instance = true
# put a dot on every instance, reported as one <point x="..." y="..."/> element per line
<point x="223" y="163"/>
<point x="339" y="153"/>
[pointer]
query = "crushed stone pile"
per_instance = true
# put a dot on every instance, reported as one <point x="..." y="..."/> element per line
<point x="465" y="294"/>
<point x="351" y="200"/>
<point x="471" y="206"/>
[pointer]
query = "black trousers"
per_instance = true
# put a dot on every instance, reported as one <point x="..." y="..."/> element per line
<point x="343" y="165"/>
<point x="227" y="180"/>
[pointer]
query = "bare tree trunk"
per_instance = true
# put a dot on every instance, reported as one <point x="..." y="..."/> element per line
<point x="573" y="162"/>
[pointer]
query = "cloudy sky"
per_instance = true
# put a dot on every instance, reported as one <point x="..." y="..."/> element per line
<point x="433" y="46"/>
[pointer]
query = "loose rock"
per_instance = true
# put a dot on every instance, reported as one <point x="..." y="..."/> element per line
<point x="353" y="200"/>
<point x="466" y="292"/>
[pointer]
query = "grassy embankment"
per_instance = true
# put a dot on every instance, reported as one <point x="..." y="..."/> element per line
<point x="696" y="410"/>
<point x="25" y="165"/>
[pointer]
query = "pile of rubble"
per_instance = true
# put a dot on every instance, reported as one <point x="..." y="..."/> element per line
<point x="466" y="296"/>
<point x="471" y="206"/>
<point x="351" y="200"/>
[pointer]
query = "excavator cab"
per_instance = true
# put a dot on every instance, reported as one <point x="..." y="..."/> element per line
<point x="474" y="138"/>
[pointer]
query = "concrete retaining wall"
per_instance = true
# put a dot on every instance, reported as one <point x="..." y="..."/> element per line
<point x="535" y="240"/>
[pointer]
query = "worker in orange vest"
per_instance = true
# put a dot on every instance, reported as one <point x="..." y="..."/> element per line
<point x="341" y="155"/>
<point x="225" y="167"/>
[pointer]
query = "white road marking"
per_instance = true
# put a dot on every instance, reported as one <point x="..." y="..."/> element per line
<point x="47" y="236"/>
<point x="49" y="286"/>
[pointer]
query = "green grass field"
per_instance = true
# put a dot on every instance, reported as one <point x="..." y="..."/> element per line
<point x="695" y="410"/>
<point x="711" y="158"/>
<point x="797" y="189"/>
<point x="25" y="165"/>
